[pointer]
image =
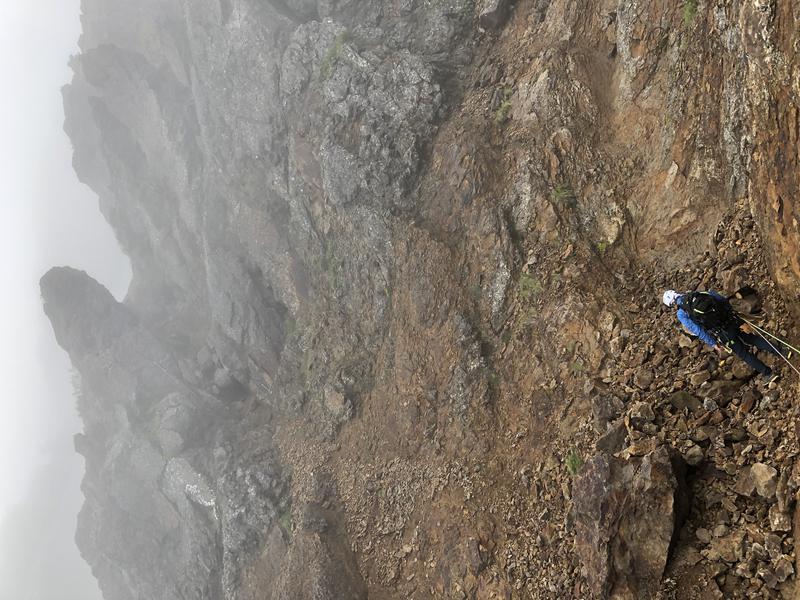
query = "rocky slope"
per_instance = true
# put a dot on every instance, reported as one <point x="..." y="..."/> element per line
<point x="394" y="328"/>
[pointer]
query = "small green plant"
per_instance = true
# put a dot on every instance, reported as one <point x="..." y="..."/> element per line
<point x="529" y="287"/>
<point x="689" y="9"/>
<point x="602" y="247"/>
<point x="285" y="521"/>
<point x="564" y="194"/>
<point x="502" y="112"/>
<point x="332" y="55"/>
<point x="573" y="462"/>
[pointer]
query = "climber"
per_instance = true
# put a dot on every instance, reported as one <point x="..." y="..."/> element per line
<point x="710" y="316"/>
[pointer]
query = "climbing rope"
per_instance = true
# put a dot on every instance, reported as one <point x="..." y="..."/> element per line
<point x="764" y="333"/>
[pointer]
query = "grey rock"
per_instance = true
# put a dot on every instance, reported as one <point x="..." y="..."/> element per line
<point x="637" y="535"/>
<point x="746" y="482"/>
<point x="720" y="530"/>
<point x="493" y="13"/>
<point x="643" y="378"/>
<point x="765" y="478"/>
<point x="703" y="535"/>
<point x="684" y="400"/>
<point x="223" y="378"/>
<point x="773" y="545"/>
<point x="729" y="548"/>
<point x="613" y="440"/>
<point x="641" y="413"/>
<point x="699" y="377"/>
<point x="605" y="408"/>
<point x="779" y="520"/>
<point x="784" y="568"/>
<point x="693" y="455"/>
<point x="340" y="175"/>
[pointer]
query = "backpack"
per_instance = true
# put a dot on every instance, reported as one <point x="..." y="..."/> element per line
<point x="716" y="316"/>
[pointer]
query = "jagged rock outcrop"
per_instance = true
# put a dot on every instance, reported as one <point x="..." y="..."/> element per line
<point x="391" y="270"/>
<point x="627" y="513"/>
<point x="175" y="492"/>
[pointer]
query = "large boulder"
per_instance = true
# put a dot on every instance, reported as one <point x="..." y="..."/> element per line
<point x="626" y="514"/>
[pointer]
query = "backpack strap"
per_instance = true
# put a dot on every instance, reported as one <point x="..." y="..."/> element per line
<point x="713" y="314"/>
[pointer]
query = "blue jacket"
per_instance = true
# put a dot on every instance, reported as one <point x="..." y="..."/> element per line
<point x="693" y="327"/>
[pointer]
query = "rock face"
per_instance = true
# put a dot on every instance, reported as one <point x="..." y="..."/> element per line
<point x="162" y="486"/>
<point x="396" y="271"/>
<point x="626" y="515"/>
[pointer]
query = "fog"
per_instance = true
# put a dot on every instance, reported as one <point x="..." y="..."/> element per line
<point x="48" y="219"/>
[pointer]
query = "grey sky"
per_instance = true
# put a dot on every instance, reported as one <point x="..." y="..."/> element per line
<point x="47" y="218"/>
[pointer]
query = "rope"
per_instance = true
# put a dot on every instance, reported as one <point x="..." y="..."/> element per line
<point x="761" y="332"/>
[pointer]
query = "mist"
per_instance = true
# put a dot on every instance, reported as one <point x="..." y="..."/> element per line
<point x="48" y="219"/>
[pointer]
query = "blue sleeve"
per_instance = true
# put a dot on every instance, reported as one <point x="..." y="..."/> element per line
<point x="694" y="328"/>
<point x="718" y="296"/>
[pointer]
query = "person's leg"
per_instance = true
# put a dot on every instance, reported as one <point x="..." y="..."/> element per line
<point x="772" y="346"/>
<point x="740" y="350"/>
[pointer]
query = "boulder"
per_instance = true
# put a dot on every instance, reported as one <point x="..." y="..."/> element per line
<point x="684" y="400"/>
<point x="643" y="378"/>
<point x="703" y="535"/>
<point x="784" y="568"/>
<point x="779" y="520"/>
<point x="699" y="378"/>
<point x="642" y="413"/>
<point x="729" y="548"/>
<point x="693" y="455"/>
<point x="613" y="440"/>
<point x="626" y="514"/>
<point x="605" y="408"/>
<point x="765" y="479"/>
<point x="758" y="478"/>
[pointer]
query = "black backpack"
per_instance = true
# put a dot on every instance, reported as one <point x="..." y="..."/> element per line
<point x="716" y="316"/>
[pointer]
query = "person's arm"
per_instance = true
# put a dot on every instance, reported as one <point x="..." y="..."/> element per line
<point x="695" y="329"/>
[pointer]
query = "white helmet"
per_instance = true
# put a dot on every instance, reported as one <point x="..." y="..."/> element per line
<point x="669" y="297"/>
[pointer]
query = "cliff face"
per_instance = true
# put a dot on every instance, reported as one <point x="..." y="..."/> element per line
<point x="390" y="268"/>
